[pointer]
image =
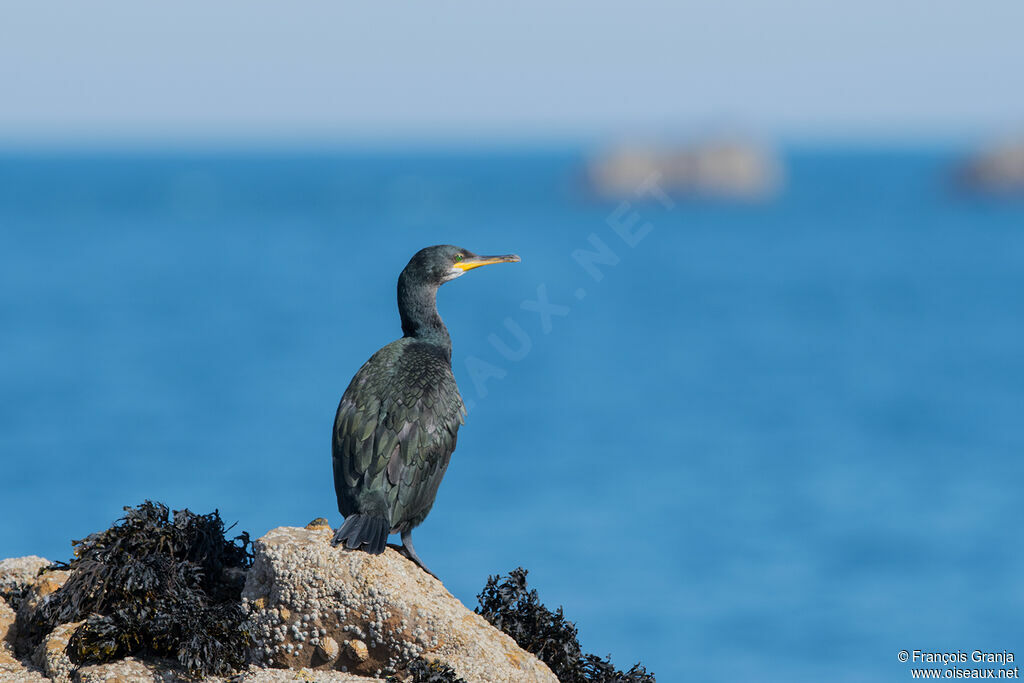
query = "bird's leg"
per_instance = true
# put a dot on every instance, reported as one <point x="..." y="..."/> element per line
<point x="410" y="552"/>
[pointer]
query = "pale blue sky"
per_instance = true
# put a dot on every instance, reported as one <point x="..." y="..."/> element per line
<point x="327" y="70"/>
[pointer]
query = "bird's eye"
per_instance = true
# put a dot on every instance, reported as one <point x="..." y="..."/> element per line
<point x="458" y="257"/>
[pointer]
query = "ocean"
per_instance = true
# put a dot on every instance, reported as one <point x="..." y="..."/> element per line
<point x="769" y="441"/>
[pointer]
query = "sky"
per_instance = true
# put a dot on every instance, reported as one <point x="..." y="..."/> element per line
<point x="326" y="70"/>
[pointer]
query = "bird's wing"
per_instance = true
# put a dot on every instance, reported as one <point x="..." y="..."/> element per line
<point x="395" y="431"/>
<point x="426" y="421"/>
<point x="355" y="446"/>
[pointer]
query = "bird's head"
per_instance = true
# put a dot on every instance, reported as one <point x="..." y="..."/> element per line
<point x="439" y="264"/>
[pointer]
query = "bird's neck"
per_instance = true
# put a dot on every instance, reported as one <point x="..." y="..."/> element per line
<point x="417" y="304"/>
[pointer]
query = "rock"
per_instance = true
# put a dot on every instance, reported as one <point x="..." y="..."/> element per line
<point x="14" y="671"/>
<point x="20" y="576"/>
<point x="29" y="623"/>
<point x="729" y="169"/>
<point x="308" y="600"/>
<point x="258" y="675"/>
<point x="16" y="574"/>
<point x="10" y="668"/>
<point x="7" y="617"/>
<point x="319" y="524"/>
<point x="50" y="655"/>
<point x="998" y="170"/>
<point x="133" y="670"/>
<point x="43" y="585"/>
<point x="18" y="571"/>
<point x="127" y="670"/>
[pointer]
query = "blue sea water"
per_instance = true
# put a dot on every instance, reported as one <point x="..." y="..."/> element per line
<point x="775" y="441"/>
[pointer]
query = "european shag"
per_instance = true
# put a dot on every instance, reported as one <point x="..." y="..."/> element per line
<point x="398" y="421"/>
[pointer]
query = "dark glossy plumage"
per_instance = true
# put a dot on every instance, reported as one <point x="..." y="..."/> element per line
<point x="398" y="421"/>
<point x="395" y="431"/>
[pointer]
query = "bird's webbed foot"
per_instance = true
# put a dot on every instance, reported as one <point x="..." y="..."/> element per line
<point x="410" y="552"/>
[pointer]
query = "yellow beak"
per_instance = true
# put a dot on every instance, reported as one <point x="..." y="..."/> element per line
<point x="476" y="261"/>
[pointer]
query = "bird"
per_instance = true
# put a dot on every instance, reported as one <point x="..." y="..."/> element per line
<point x="398" y="421"/>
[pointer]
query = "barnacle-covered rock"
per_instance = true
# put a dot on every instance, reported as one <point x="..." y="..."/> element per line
<point x="51" y="655"/>
<point x="22" y="591"/>
<point x="128" y="670"/>
<point x="17" y="572"/>
<point x="153" y="584"/>
<point x="21" y="587"/>
<point x="33" y="598"/>
<point x="325" y="608"/>
<point x="10" y="668"/>
<point x="160" y="598"/>
<point x="259" y="675"/>
<point x="7" y="617"/>
<point x="157" y="670"/>
<point x="14" y="671"/>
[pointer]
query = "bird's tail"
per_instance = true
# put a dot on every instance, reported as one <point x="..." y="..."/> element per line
<point x="359" y="530"/>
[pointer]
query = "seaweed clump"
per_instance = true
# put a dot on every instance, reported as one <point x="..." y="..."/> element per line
<point x="510" y="607"/>
<point x="161" y="585"/>
<point x="420" y="670"/>
<point x="14" y="595"/>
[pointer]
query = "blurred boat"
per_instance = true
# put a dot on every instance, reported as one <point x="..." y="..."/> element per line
<point x="716" y="169"/>
<point x="997" y="170"/>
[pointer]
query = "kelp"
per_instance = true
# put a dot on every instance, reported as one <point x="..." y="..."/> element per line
<point x="169" y="585"/>
<point x="160" y="585"/>
<point x="420" y="670"/>
<point x="511" y="607"/>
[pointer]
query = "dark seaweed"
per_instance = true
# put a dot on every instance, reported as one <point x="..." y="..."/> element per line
<point x="510" y="607"/>
<point x="170" y="586"/>
<point x="159" y="585"/>
<point x="14" y="596"/>
<point x="423" y="671"/>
